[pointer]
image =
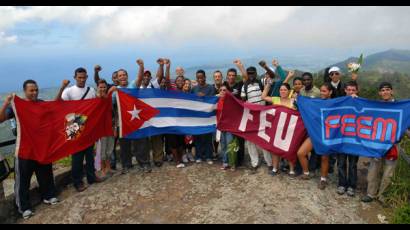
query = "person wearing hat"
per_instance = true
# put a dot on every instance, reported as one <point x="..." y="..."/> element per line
<point x="387" y="164"/>
<point x="251" y="92"/>
<point x="338" y="86"/>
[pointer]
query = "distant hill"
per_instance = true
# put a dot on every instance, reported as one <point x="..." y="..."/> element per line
<point x="389" y="61"/>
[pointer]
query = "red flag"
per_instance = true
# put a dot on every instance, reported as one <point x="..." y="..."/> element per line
<point x="132" y="112"/>
<point x="278" y="129"/>
<point x="49" y="131"/>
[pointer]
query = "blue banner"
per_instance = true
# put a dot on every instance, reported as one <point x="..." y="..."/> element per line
<point x="354" y="126"/>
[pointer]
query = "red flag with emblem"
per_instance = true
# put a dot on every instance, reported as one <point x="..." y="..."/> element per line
<point x="51" y="130"/>
<point x="132" y="113"/>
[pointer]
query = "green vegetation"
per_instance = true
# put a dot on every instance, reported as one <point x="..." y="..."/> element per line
<point x="398" y="194"/>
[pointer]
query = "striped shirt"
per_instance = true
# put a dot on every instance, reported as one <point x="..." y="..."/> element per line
<point x="254" y="94"/>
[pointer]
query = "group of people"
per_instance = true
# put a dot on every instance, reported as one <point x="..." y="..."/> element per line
<point x="272" y="89"/>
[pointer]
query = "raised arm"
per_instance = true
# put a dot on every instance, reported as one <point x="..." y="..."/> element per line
<point x="265" y="96"/>
<point x="279" y="69"/>
<point x="140" y="63"/>
<point x="266" y="67"/>
<point x="241" y="68"/>
<point x="167" y="63"/>
<point x="97" y="69"/>
<point x="6" y="104"/>
<point x="160" y="71"/>
<point x="354" y="76"/>
<point x="64" y="85"/>
<point x="291" y="74"/>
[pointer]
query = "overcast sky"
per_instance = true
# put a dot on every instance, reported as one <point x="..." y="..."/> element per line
<point x="198" y="34"/>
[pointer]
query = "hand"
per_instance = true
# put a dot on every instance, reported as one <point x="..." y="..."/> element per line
<point x="275" y="63"/>
<point x="112" y="89"/>
<point x="262" y="63"/>
<point x="115" y="133"/>
<point x="291" y="73"/>
<point x="97" y="68"/>
<point x="9" y="98"/>
<point x="160" y="61"/>
<point x="140" y="62"/>
<point x="354" y="95"/>
<point x="65" y="83"/>
<point x="167" y="62"/>
<point x="201" y="94"/>
<point x="237" y="62"/>
<point x="354" y="76"/>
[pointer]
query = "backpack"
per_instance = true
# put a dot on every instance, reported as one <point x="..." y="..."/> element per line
<point x="245" y="86"/>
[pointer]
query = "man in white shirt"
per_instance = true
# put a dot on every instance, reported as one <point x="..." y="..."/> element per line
<point x="80" y="91"/>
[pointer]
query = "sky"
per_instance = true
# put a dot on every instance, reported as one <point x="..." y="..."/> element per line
<point x="47" y="43"/>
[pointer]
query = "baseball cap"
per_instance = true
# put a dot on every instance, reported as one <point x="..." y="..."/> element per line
<point x="251" y="70"/>
<point x="385" y="85"/>
<point x="334" y="69"/>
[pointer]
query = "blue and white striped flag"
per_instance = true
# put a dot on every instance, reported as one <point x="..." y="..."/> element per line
<point x="180" y="113"/>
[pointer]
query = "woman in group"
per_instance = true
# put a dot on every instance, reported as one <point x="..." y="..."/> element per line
<point x="188" y="157"/>
<point x="283" y="100"/>
<point x="306" y="147"/>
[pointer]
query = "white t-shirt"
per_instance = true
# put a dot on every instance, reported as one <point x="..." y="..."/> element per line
<point x="153" y="84"/>
<point x="76" y="93"/>
<point x="254" y="94"/>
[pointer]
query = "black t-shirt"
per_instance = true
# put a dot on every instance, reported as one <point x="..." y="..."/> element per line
<point x="235" y="89"/>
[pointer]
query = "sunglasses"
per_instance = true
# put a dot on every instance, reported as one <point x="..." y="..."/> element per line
<point x="334" y="73"/>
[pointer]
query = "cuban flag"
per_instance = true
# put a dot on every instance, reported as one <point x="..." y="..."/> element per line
<point x="179" y="113"/>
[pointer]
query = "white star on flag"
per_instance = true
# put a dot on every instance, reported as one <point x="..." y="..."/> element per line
<point x="134" y="113"/>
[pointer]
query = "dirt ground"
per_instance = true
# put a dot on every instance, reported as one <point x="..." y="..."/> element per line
<point x="202" y="193"/>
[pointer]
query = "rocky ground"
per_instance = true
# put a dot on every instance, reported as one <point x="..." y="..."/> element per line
<point x="202" y="193"/>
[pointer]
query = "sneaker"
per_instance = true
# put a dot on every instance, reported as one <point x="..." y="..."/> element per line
<point x="367" y="199"/>
<point x="253" y="170"/>
<point x="292" y="175"/>
<point x="158" y="164"/>
<point x="322" y="184"/>
<point x="52" y="201"/>
<point x="99" y="179"/>
<point x="224" y="167"/>
<point x="274" y="173"/>
<point x="350" y="192"/>
<point x="27" y="214"/>
<point x="147" y="169"/>
<point x="80" y="188"/>
<point x="305" y="177"/>
<point x="181" y="165"/>
<point x="185" y="158"/>
<point x="190" y="157"/>
<point x="198" y="161"/>
<point x="341" y="190"/>
<point x="210" y="162"/>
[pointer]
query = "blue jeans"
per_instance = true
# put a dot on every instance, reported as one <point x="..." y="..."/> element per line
<point x="226" y="139"/>
<point x="349" y="178"/>
<point x="203" y="145"/>
<point x="77" y="161"/>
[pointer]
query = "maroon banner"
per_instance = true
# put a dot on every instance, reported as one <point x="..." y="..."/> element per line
<point x="278" y="129"/>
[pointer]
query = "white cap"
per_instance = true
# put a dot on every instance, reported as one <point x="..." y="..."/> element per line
<point x="334" y="69"/>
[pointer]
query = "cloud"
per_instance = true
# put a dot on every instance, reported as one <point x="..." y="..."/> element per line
<point x="6" y="40"/>
<point x="227" y="26"/>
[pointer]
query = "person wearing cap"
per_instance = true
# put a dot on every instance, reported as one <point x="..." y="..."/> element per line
<point x="145" y="81"/>
<point x="251" y="92"/>
<point x="386" y="165"/>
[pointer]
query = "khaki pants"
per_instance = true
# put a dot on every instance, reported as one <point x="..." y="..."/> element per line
<point x="157" y="148"/>
<point x="375" y="187"/>
<point x="254" y="150"/>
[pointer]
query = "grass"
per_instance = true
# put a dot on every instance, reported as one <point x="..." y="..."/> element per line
<point x="398" y="193"/>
